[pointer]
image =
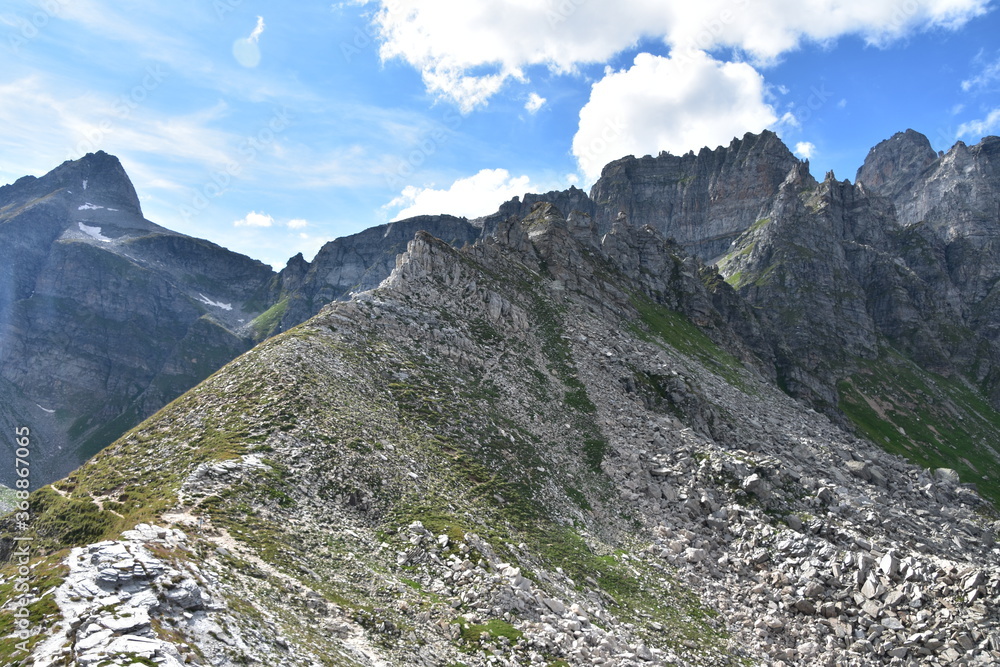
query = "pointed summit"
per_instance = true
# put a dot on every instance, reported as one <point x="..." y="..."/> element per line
<point x="97" y="178"/>
<point x="99" y="175"/>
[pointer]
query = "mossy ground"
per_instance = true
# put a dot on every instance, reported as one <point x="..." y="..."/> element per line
<point x="668" y="327"/>
<point x="933" y="421"/>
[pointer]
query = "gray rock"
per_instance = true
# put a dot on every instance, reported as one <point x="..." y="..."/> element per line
<point x="757" y="486"/>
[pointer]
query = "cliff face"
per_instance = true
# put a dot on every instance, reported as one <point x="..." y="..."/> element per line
<point x="106" y="316"/>
<point x="956" y="198"/>
<point x="702" y="201"/>
<point x="877" y="298"/>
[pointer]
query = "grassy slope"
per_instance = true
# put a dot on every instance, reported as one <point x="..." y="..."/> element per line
<point x="933" y="421"/>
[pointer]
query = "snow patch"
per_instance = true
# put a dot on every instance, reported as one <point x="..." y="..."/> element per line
<point x="89" y="207"/>
<point x="51" y="412"/>
<point x="85" y="184"/>
<point x="208" y="302"/>
<point x="94" y="232"/>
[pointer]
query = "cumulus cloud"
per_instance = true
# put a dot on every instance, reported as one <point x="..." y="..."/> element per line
<point x="805" y="149"/>
<point x="297" y="223"/>
<point x="254" y="219"/>
<point x="474" y="196"/>
<point x="672" y="104"/>
<point x="534" y="103"/>
<point x="465" y="54"/>
<point x="974" y="129"/>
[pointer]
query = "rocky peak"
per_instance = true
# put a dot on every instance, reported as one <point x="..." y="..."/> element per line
<point x="894" y="164"/>
<point x="703" y="201"/>
<point x="573" y="199"/>
<point x="96" y="177"/>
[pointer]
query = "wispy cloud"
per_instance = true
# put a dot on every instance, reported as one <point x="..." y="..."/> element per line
<point x="247" y="50"/>
<point x="257" y="31"/>
<point x="974" y="129"/>
<point x="988" y="74"/>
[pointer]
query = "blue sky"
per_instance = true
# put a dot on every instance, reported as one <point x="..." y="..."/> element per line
<point x="271" y="129"/>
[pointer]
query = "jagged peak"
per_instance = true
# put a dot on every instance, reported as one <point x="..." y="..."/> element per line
<point x="544" y="215"/>
<point x="748" y="143"/>
<point x="799" y="177"/>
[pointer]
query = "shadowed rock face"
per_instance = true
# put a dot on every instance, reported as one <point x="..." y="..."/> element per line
<point x="957" y="193"/>
<point x="702" y="201"/>
<point x="949" y="207"/>
<point x="893" y="166"/>
<point x="105" y="316"/>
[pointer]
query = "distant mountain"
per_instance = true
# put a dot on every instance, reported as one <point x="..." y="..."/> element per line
<point x="104" y="315"/>
<point x="107" y="317"/>
<point x="357" y="263"/>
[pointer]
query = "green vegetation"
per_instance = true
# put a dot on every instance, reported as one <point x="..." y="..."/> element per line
<point x="933" y="421"/>
<point x="67" y="521"/>
<point x="631" y="587"/>
<point x="267" y="323"/>
<point x="495" y="628"/>
<point x="663" y="325"/>
<point x="43" y="612"/>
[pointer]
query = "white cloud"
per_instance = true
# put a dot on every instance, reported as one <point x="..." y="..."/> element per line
<point x="297" y="223"/>
<point x="254" y="219"/>
<point x="669" y="104"/>
<point x="474" y="196"/>
<point x="465" y="53"/>
<point x="534" y="103"/>
<point x="975" y="129"/>
<point x="988" y="74"/>
<point x="805" y="149"/>
<point x="258" y="30"/>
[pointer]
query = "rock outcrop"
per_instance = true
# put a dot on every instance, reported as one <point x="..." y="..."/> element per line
<point x="359" y="262"/>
